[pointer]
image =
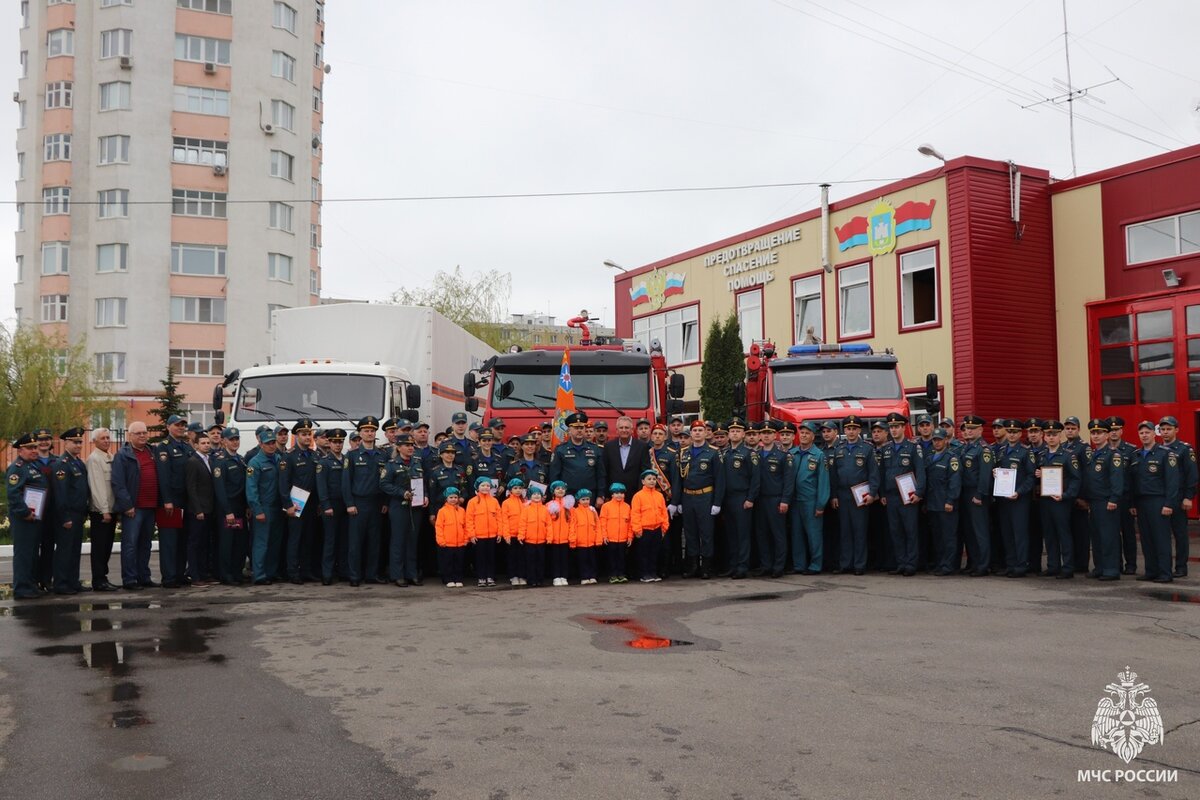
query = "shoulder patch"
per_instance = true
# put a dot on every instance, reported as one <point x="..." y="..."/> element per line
<point x="1075" y="462"/>
<point x="216" y="472"/>
<point x="162" y="456"/>
<point x="249" y="470"/>
<point x="1172" y="460"/>
<point x="14" y="478"/>
<point x="382" y="471"/>
<point x="1116" y="459"/>
<point x="954" y="465"/>
<point x="318" y="468"/>
<point x="987" y="455"/>
<point x="754" y="457"/>
<point x="345" y="462"/>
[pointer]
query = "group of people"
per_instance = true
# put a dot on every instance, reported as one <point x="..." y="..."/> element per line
<point x="653" y="501"/>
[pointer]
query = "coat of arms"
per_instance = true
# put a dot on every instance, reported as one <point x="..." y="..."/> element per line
<point x="1128" y="719"/>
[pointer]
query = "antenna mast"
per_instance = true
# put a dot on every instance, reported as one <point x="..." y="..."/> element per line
<point x="1070" y="88"/>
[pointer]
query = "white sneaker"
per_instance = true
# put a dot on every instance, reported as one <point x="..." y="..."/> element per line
<point x="457" y="585"/>
<point x="491" y="582"/>
<point x="481" y="583"/>
<point x="522" y="582"/>
<point x="646" y="580"/>
<point x="561" y="581"/>
<point x="515" y="581"/>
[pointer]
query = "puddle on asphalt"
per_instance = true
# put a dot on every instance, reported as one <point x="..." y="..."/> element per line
<point x="643" y="637"/>
<point x="1173" y="597"/>
<point x="128" y="718"/>
<point x="755" y="598"/>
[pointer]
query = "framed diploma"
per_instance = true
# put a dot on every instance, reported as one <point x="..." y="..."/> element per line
<point x="860" y="492"/>
<point x="417" y="487"/>
<point x="1052" y="481"/>
<point x="907" y="484"/>
<point x="1004" y="482"/>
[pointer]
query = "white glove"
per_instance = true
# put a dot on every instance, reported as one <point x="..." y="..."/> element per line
<point x="672" y="510"/>
<point x="715" y="510"/>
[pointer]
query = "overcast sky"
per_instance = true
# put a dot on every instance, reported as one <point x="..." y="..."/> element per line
<point x="469" y="98"/>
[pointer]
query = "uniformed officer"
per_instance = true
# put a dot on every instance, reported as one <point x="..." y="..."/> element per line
<point x="1035" y="430"/>
<point x="1103" y="480"/>
<point x="335" y="547"/>
<point x="943" y="489"/>
<point x="1056" y="509"/>
<point x="578" y="463"/>
<point x="809" y="487"/>
<point x="977" y="463"/>
<point x="880" y="554"/>
<point x="446" y="474"/>
<point x="999" y="443"/>
<point x="298" y="470"/>
<point x="662" y="461"/>
<point x="1186" y="455"/>
<point x="1014" y="509"/>
<point x="403" y="481"/>
<point x="24" y="480"/>
<point x="44" y="440"/>
<point x="776" y="477"/>
<point x="463" y="445"/>
<point x="903" y="459"/>
<point x="699" y="488"/>
<point x="262" y="495"/>
<point x="364" y="504"/>
<point x="229" y="491"/>
<point x="526" y="465"/>
<point x="1080" y="535"/>
<point x="70" y="506"/>
<point x="831" y="547"/>
<point x="1116" y="430"/>
<point x="742" y="482"/>
<point x="173" y="454"/>
<point x="487" y="462"/>
<point x="854" y="465"/>
<point x="1156" y="494"/>
<point x="505" y="452"/>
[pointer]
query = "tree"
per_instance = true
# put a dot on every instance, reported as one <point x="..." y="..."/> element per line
<point x="723" y="366"/>
<point x="476" y="303"/>
<point x="170" y="402"/>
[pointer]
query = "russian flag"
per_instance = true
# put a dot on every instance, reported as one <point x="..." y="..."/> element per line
<point x="639" y="295"/>
<point x="914" y="216"/>
<point x="674" y="284"/>
<point x="852" y="234"/>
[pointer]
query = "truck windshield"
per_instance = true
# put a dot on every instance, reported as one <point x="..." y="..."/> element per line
<point x="266" y="396"/>
<point x="625" y="390"/>
<point x="835" y="382"/>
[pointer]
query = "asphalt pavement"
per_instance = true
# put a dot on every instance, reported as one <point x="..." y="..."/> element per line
<point x="823" y="686"/>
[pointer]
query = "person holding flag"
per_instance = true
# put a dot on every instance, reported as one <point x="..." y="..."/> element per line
<point x="576" y="462"/>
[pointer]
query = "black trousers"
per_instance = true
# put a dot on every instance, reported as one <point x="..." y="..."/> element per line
<point x="102" y="536"/>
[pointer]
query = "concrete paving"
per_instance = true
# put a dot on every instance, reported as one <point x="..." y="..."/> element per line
<point x="828" y="686"/>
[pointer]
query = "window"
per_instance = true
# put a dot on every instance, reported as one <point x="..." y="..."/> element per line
<point x="60" y="42"/>
<point x="194" y="203"/>
<point x="208" y="310"/>
<point x="316" y="190"/>
<point x="59" y="94"/>
<point x="678" y="330"/>
<point x="24" y="13"/>
<point x="199" y="100"/>
<point x="56" y="258"/>
<point x="193" y="363"/>
<point x="314" y="282"/>
<point x="20" y="114"/>
<point x="116" y="42"/>
<point x="750" y="317"/>
<point x="20" y="270"/>
<point x="271" y="309"/>
<point x="854" y="301"/>
<point x="283" y="66"/>
<point x="318" y="55"/>
<point x="24" y="59"/>
<point x="56" y="200"/>
<point x="114" y="96"/>
<point x="20" y="166"/>
<point x="54" y="308"/>
<point x="57" y="147"/>
<point x="279" y="267"/>
<point x="110" y="366"/>
<point x="201" y="49"/>
<point x="285" y="17"/>
<point x="200" y="151"/>
<point x="59" y="2"/>
<point x="203" y="413"/>
<point x="918" y="288"/>
<point x="1162" y="238"/>
<point x="113" y="203"/>
<point x="114" y="150"/>
<point x="281" y="217"/>
<point x="112" y="257"/>
<point x="1137" y="358"/>
<point x="113" y="419"/>
<point x="211" y="6"/>
<point x="316" y="99"/>
<point x="283" y="115"/>
<point x="110" y="3"/>
<point x="20" y="216"/>
<point x="808" y="311"/>
<point x="320" y="12"/>
<point x="110" y="312"/>
<point x="281" y="165"/>
<point x="314" y="235"/>
<point x="197" y="259"/>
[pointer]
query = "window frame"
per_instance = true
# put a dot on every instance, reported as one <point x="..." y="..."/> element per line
<point x="762" y="313"/>
<point x="120" y="258"/>
<point x="190" y="5"/>
<point x="280" y="159"/>
<point x="1176" y="219"/>
<point x="279" y="13"/>
<point x="59" y="202"/>
<point x="201" y="95"/>
<point x="62" y="257"/>
<point x="119" y="306"/>
<point x="58" y="305"/>
<point x="199" y="198"/>
<point x="819" y="274"/>
<point x="843" y="336"/>
<point x="272" y="217"/>
<point x="278" y="106"/>
<point x="126" y="95"/>
<point x="937" y="287"/>
<point x="121" y="202"/>
<point x="188" y="362"/>
<point x="63" y="92"/>
<point x="274" y="260"/>
<point x="220" y="255"/>
<point x="56" y="147"/>
<point x="282" y="57"/>
<point x="218" y="150"/>
<point x="116" y="43"/>
<point x="117" y="373"/>
<point x="65" y="48"/>
<point x="699" y="332"/>
<point x="188" y="40"/>
<point x="123" y="141"/>
<point x="196" y="302"/>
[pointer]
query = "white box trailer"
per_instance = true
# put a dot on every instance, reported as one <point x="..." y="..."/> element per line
<point x="339" y="362"/>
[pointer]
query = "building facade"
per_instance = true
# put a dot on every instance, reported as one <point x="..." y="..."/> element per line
<point x="528" y="330"/>
<point x="170" y="157"/>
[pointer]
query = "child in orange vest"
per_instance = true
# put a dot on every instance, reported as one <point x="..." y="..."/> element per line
<point x="451" y="530"/>
<point x="483" y="528"/>
<point x="649" y="520"/>
<point x="533" y="531"/>
<point x="559" y="540"/>
<point x="615" y="531"/>
<point x="585" y="536"/>
<point x="510" y="524"/>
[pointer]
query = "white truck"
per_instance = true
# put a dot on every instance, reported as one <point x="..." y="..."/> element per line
<point x="337" y="363"/>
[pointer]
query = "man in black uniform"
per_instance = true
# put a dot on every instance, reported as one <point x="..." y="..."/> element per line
<point x="173" y="454"/>
<point x="578" y="463"/>
<point x="229" y="491"/>
<point x="853" y="464"/>
<point x="364" y="504"/>
<point x="70" y="506"/>
<point x="742" y="483"/>
<point x="977" y="463"/>
<point x="699" y="492"/>
<point x="1116" y="442"/>
<point x="23" y="479"/>
<point x="1186" y="455"/>
<point x="298" y="470"/>
<point x="1156" y="493"/>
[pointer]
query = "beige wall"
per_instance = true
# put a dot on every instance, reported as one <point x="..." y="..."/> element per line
<point x="1078" y="279"/>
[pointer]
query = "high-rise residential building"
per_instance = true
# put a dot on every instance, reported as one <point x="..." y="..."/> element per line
<point x="170" y="181"/>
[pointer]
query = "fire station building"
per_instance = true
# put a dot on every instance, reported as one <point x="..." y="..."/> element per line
<point x="1026" y="296"/>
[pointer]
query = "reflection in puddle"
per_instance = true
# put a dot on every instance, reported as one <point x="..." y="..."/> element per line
<point x="128" y="718"/>
<point x="643" y="638"/>
<point x="1173" y="597"/>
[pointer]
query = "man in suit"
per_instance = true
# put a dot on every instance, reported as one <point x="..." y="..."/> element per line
<point x="200" y="515"/>
<point x="626" y="457"/>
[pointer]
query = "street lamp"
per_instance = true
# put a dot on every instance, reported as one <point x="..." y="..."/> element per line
<point x="614" y="265"/>
<point x="931" y="151"/>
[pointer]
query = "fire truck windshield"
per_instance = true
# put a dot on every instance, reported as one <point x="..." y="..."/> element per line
<point x="266" y="397"/>
<point x="801" y="383"/>
<point x="625" y="390"/>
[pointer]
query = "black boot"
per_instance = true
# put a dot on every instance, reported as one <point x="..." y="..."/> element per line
<point x="705" y="568"/>
<point x="690" y="567"/>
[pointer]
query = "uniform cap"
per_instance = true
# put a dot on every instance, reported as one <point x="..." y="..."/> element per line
<point x="1054" y="425"/>
<point x="42" y="434"/>
<point x="320" y="433"/>
<point x="280" y="429"/>
<point x="475" y="426"/>
<point x="458" y="416"/>
<point x="719" y="427"/>
<point x="175" y="419"/>
<point x="496" y="423"/>
<point x="265" y="437"/>
<point x="24" y="440"/>
<point x="998" y="423"/>
<point x="1035" y="424"/>
<point x="736" y="422"/>
<point x="642" y="421"/>
<point x="616" y="487"/>
<point x="947" y="422"/>
<point x="1168" y="420"/>
<point x="404" y="425"/>
<point x="404" y="438"/>
<point x="972" y="421"/>
<point x="421" y="424"/>
<point x="1098" y="424"/>
<point x="676" y="419"/>
<point x="368" y="422"/>
<point x="940" y="433"/>
<point x="1145" y="424"/>
<point x="577" y="418"/>
<point x="660" y="427"/>
<point x="195" y="427"/>
<point x="355" y="436"/>
<point x="878" y="424"/>
<point x="697" y="423"/>
<point x="336" y="435"/>
<point x="71" y="433"/>
<point x="531" y="437"/>
<point x="303" y="424"/>
<point x="924" y="419"/>
<point x="758" y="427"/>
<point x="601" y="425"/>
<point x="830" y="425"/>
<point x="809" y="425"/>
<point x="852" y="421"/>
<point x="1013" y="425"/>
<point x="231" y="433"/>
<point x="1116" y="422"/>
<point x="547" y="425"/>
<point x="896" y="417"/>
<point x="448" y="447"/>
<point x="1071" y="421"/>
<point x="486" y="435"/>
<point x="389" y="424"/>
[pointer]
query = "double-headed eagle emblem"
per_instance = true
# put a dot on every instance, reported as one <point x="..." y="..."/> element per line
<point x="1128" y="719"/>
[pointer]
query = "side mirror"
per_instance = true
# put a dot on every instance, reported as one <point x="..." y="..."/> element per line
<point x="219" y="418"/>
<point x="505" y="391"/>
<point x="674" y="406"/>
<point x="739" y="394"/>
<point x="218" y="396"/>
<point x="675" y="385"/>
<point x="469" y="384"/>
<point x="410" y="414"/>
<point x="472" y="404"/>
<point x="412" y="396"/>
<point x="932" y="403"/>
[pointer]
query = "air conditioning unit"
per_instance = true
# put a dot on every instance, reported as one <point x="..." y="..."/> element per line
<point x="269" y="129"/>
<point x="218" y="170"/>
<point x="126" y="62"/>
<point x="210" y="68"/>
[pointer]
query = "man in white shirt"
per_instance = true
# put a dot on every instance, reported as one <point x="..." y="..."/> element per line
<point x="103" y="521"/>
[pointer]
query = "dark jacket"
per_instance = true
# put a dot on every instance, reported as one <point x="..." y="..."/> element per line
<point x="631" y="473"/>
<point x="200" y="492"/>
<point x="126" y="475"/>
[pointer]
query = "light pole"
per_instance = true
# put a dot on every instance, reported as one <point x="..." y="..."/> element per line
<point x="614" y="265"/>
<point x="931" y="151"/>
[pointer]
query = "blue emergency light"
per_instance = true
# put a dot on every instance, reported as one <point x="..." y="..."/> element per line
<point x="814" y="349"/>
